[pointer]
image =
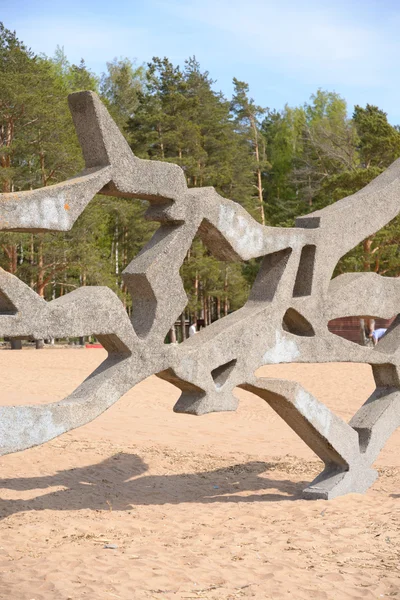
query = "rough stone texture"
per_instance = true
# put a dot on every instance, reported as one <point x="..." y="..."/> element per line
<point x="285" y="319"/>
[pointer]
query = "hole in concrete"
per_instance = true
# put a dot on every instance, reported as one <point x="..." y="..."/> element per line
<point x="219" y="287"/>
<point x="220" y="374"/>
<point x="6" y="306"/>
<point x="269" y="276"/>
<point x="376" y="254"/>
<point x="342" y="387"/>
<point x="215" y="288"/>
<point x="144" y="303"/>
<point x="364" y="436"/>
<point x="358" y="329"/>
<point x="295" y="323"/>
<point x="304" y="277"/>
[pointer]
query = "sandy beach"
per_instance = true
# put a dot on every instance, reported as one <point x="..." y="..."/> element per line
<point x="143" y="503"/>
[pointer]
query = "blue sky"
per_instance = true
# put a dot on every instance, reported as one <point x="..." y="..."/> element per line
<point x="284" y="49"/>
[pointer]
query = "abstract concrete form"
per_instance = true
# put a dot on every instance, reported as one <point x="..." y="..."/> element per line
<point x="285" y="319"/>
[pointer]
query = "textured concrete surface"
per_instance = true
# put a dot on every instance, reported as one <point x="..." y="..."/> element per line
<point x="285" y="319"/>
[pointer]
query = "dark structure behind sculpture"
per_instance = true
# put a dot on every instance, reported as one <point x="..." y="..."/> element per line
<point x="285" y="319"/>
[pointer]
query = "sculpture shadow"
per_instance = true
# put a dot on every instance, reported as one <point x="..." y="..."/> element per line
<point x="120" y="482"/>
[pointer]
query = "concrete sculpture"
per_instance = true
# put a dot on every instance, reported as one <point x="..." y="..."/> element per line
<point x="285" y="319"/>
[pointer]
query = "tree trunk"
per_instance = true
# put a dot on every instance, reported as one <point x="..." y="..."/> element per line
<point x="40" y="273"/>
<point x="32" y="261"/>
<point x="116" y="235"/>
<point x="226" y="302"/>
<point x="367" y="255"/>
<point x="11" y="251"/>
<point x="259" y="181"/>
<point x="42" y="168"/>
<point x="205" y="310"/>
<point x="183" y="326"/>
<point x="218" y="307"/>
<point x="196" y="294"/>
<point x="125" y="248"/>
<point x="159" y="131"/>
<point x="6" y="137"/>
<point x="124" y="296"/>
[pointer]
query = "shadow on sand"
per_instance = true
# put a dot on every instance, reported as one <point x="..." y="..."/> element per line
<point x="120" y="482"/>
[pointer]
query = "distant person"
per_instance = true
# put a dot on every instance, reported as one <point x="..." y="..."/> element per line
<point x="377" y="335"/>
<point x="192" y="329"/>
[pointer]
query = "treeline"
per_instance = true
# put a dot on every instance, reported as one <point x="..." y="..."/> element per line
<point x="277" y="164"/>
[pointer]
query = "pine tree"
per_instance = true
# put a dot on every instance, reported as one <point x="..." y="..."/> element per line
<point x="38" y="143"/>
<point x="120" y="88"/>
<point x="247" y="121"/>
<point x="282" y="133"/>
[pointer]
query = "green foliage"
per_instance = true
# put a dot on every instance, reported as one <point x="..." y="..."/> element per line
<point x="320" y="155"/>
<point x="247" y="117"/>
<point x="180" y="118"/>
<point x="120" y="88"/>
<point x="379" y="141"/>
